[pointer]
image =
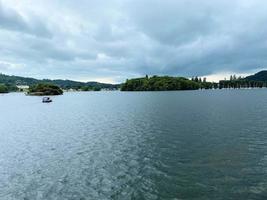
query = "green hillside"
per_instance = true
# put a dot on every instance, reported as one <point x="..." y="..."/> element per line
<point x="260" y="76"/>
<point x="64" y="84"/>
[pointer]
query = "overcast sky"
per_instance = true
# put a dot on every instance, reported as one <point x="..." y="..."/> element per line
<point x="111" y="40"/>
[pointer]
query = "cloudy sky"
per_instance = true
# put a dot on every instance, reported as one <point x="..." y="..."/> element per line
<point x="112" y="40"/>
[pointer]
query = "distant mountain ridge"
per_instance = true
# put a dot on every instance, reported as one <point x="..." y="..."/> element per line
<point x="260" y="76"/>
<point x="64" y="84"/>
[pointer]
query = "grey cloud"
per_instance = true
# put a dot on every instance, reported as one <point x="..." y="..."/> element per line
<point x="10" y="19"/>
<point x="126" y="38"/>
<point x="172" y="22"/>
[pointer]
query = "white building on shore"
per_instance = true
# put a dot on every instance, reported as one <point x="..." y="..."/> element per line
<point x="23" y="88"/>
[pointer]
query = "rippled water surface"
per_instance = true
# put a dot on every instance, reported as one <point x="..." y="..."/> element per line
<point x="155" y="145"/>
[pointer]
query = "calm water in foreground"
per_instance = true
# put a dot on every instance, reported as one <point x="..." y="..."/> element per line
<point x="197" y="145"/>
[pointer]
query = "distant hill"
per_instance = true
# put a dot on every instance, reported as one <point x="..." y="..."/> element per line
<point x="64" y="84"/>
<point x="258" y="80"/>
<point x="260" y="76"/>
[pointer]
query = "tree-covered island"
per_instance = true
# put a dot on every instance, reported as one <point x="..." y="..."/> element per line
<point x="166" y="83"/>
<point x="43" y="89"/>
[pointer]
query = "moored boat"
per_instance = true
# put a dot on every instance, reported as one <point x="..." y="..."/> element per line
<point x="47" y="100"/>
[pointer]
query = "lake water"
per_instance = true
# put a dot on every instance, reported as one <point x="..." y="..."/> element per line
<point x="200" y="145"/>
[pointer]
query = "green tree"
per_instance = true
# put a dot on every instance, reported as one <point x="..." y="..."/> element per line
<point x="3" y="88"/>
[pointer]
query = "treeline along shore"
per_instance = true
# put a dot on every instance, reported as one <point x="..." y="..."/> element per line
<point x="153" y="83"/>
<point x="167" y="83"/>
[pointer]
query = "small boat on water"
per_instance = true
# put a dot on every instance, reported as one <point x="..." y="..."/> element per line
<point x="47" y="100"/>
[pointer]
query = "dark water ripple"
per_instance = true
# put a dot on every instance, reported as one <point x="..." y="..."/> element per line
<point x="112" y="145"/>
